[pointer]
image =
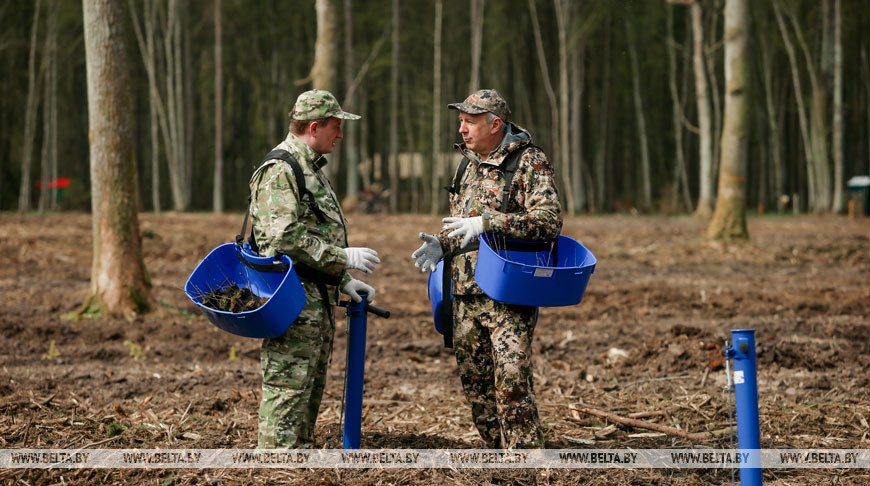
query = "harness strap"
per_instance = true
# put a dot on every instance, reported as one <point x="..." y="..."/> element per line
<point x="447" y="291"/>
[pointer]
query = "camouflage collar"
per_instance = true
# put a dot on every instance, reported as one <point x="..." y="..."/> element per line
<point x="304" y="153"/>
<point x="514" y="138"/>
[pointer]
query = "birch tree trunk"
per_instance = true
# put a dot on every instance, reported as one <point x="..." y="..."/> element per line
<point x="702" y="99"/>
<point x="821" y="166"/>
<point x="31" y="104"/>
<point x="119" y="281"/>
<point x="218" y="187"/>
<point x="566" y="161"/>
<point x="551" y="97"/>
<point x="837" y="124"/>
<point x="156" y="106"/>
<point x="578" y="78"/>
<point x="174" y="106"/>
<point x="437" y="168"/>
<point x="351" y="144"/>
<point x="394" y="114"/>
<point x="809" y="153"/>
<point x="187" y="98"/>
<point x="641" y="119"/>
<point x="729" y="217"/>
<point x="323" y="70"/>
<point x="48" y="160"/>
<point x="710" y="67"/>
<point x="477" y="7"/>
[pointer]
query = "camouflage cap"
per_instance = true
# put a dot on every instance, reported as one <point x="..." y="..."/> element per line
<point x="482" y="101"/>
<point x="316" y="104"/>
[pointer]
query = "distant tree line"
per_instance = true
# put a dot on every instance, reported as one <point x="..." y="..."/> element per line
<point x="626" y="97"/>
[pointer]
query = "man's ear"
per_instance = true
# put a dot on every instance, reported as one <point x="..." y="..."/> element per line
<point x="312" y="128"/>
<point x="497" y="124"/>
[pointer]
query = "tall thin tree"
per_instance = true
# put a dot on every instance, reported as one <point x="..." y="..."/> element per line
<point x="31" y="106"/>
<point x="218" y="188"/>
<point x="837" y="124"/>
<point x="729" y="217"/>
<point x="394" y="114"/>
<point x="350" y="147"/>
<point x="119" y="281"/>
<point x="704" y="208"/>
<point x="477" y="8"/>
<point x="640" y="117"/>
<point x="436" y="112"/>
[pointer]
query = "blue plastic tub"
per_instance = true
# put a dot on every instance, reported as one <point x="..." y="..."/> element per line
<point x="436" y="294"/>
<point x="223" y="266"/>
<point x="532" y="277"/>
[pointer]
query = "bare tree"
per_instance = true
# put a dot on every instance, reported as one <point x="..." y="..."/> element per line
<point x="394" y="114"/>
<point x="477" y="7"/>
<point x="119" y="281"/>
<point x="702" y="99"/>
<point x="799" y="99"/>
<point x="555" y="110"/>
<point x="677" y="112"/>
<point x="48" y="159"/>
<point x="819" y="166"/>
<point x="436" y="112"/>
<point x="350" y="147"/>
<point x="563" y="19"/>
<point x="578" y="81"/>
<point x="711" y="54"/>
<point x="641" y="119"/>
<point x="218" y="188"/>
<point x="322" y="74"/>
<point x="156" y="108"/>
<point x="729" y="217"/>
<point x="837" y="124"/>
<point x="32" y="104"/>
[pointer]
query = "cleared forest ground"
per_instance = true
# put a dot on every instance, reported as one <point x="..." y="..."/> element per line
<point x="646" y="338"/>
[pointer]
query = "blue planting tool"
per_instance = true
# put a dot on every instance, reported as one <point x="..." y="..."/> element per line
<point x="357" y="320"/>
<point x="742" y="352"/>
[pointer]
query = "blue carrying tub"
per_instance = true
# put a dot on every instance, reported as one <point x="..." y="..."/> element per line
<point x="436" y="294"/>
<point x="532" y="277"/>
<point x="224" y="266"/>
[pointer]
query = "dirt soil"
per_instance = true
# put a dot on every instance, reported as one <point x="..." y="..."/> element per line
<point x="646" y="338"/>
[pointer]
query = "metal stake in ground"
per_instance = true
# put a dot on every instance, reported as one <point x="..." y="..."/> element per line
<point x="742" y="351"/>
<point x="357" y="320"/>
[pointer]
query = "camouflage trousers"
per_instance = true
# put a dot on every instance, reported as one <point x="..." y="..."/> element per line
<point x="493" y="346"/>
<point x="294" y="368"/>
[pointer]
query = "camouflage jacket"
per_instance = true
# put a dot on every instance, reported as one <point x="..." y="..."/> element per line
<point x="283" y="223"/>
<point x="534" y="211"/>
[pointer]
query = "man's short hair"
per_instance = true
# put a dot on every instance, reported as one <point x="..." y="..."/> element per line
<point x="490" y="116"/>
<point x="298" y="127"/>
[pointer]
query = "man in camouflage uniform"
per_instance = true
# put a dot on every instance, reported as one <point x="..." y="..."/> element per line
<point x="493" y="340"/>
<point x="294" y="364"/>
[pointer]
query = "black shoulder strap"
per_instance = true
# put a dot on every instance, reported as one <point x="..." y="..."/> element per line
<point x="509" y="168"/>
<point x="457" y="178"/>
<point x="304" y="194"/>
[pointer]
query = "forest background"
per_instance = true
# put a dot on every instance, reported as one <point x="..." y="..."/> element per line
<point x="610" y="89"/>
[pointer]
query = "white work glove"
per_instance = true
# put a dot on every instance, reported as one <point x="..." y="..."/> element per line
<point x="363" y="259"/>
<point x="355" y="286"/>
<point x="428" y="255"/>
<point x="467" y="228"/>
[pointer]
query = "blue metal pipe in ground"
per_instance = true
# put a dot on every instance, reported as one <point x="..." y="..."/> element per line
<point x="356" y="359"/>
<point x="742" y="352"/>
